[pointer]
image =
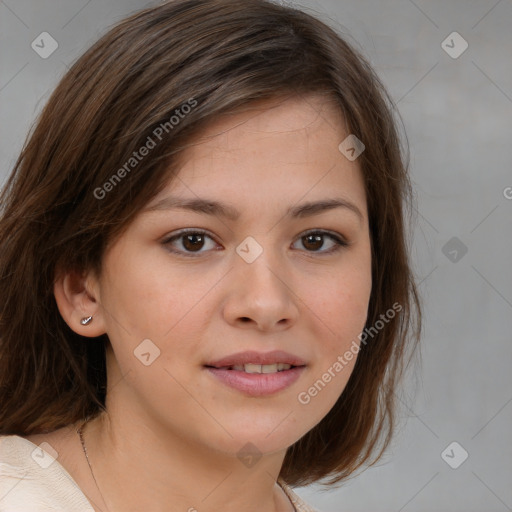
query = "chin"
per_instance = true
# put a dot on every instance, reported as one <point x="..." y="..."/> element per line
<point x="269" y="434"/>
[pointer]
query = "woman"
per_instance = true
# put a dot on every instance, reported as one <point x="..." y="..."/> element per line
<point x="206" y="297"/>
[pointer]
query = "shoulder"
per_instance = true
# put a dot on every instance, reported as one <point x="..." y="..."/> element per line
<point x="32" y="480"/>
<point x="299" y="504"/>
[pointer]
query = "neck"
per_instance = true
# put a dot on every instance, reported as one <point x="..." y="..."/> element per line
<point x="141" y="468"/>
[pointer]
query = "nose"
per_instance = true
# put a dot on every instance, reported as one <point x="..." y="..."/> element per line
<point x="261" y="296"/>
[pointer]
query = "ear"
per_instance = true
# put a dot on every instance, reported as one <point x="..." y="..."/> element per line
<point x="77" y="297"/>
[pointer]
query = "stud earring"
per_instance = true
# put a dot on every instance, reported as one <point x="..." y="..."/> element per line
<point x="86" y="320"/>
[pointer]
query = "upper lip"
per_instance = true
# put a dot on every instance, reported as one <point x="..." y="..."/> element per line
<point x="251" y="356"/>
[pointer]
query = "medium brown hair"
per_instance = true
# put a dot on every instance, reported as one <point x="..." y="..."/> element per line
<point x="223" y="55"/>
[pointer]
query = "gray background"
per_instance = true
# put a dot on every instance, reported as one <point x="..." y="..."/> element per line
<point x="457" y="115"/>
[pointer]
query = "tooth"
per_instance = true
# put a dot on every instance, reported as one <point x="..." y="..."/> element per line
<point x="261" y="368"/>
<point x="252" y="368"/>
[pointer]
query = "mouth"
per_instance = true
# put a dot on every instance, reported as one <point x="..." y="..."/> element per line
<point x="257" y="374"/>
<point x="257" y="368"/>
<point x="252" y="361"/>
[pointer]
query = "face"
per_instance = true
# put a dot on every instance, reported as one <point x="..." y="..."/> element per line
<point x="270" y="275"/>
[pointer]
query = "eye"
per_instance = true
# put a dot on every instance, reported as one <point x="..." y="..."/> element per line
<point x="313" y="241"/>
<point x="190" y="240"/>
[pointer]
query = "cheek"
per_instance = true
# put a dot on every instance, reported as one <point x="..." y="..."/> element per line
<point x="342" y="312"/>
<point x="343" y="303"/>
<point x="343" y="309"/>
<point x="147" y="296"/>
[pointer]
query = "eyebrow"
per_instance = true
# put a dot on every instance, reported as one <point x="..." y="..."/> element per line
<point x="215" y="208"/>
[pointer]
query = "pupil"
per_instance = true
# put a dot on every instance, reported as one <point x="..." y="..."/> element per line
<point x="315" y="238"/>
<point x="193" y="241"/>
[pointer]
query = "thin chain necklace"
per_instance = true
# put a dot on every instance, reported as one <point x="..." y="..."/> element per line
<point x="79" y="431"/>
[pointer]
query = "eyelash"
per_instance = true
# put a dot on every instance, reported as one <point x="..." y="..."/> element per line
<point x="340" y="243"/>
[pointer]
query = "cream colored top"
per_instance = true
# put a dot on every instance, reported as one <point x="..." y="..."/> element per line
<point x="32" y="480"/>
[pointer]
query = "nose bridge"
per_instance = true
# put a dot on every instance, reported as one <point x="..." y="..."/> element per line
<point x="260" y="261"/>
<point x="260" y="290"/>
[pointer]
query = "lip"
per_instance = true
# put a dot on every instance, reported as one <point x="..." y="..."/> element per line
<point x="257" y="384"/>
<point x="251" y="356"/>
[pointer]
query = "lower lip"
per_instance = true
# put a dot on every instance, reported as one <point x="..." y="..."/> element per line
<point x="258" y="384"/>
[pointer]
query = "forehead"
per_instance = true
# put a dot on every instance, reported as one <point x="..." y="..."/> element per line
<point x="291" y="118"/>
<point x="278" y="151"/>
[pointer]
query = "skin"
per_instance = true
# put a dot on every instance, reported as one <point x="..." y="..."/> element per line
<point x="171" y="427"/>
